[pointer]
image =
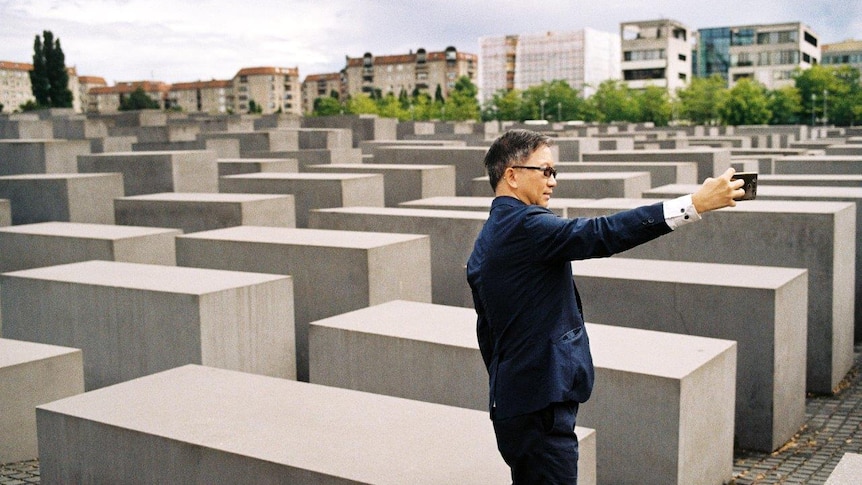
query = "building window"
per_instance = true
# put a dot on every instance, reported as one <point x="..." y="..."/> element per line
<point x="811" y="39"/>
<point x="644" y="55"/>
<point x="682" y="57"/>
<point x="642" y="74"/>
<point x="743" y="59"/>
<point x="742" y="37"/>
<point x="806" y="58"/>
<point x="682" y="76"/>
<point x="243" y="79"/>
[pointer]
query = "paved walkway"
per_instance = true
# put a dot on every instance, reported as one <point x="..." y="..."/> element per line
<point x="833" y="426"/>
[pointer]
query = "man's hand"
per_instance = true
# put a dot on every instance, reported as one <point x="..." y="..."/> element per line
<point x="719" y="192"/>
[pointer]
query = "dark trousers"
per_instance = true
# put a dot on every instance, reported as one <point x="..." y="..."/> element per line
<point x="541" y="447"/>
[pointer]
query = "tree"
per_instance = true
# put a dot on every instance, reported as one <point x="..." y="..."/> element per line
<point x="360" y="104"/>
<point x="326" y="106"/>
<point x="654" y="105"/>
<point x="138" y="100"/>
<point x="49" y="79"/>
<point x="462" y="103"/>
<point x="613" y="101"/>
<point x="390" y="107"/>
<point x="505" y="105"/>
<point x="816" y="85"/>
<point x="254" y="108"/>
<point x="785" y="104"/>
<point x="745" y="104"/>
<point x="699" y="101"/>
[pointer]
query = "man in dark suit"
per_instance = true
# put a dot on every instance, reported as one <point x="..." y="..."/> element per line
<point x="530" y="325"/>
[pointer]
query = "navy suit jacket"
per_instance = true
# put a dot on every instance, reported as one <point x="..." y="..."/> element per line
<point x="530" y="324"/>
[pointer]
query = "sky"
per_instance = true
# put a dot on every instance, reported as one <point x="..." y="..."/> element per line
<point x="183" y="41"/>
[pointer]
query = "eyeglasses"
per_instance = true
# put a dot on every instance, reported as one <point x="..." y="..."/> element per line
<point x="548" y="172"/>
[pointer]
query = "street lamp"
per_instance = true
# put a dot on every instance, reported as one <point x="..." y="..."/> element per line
<point x="813" y="98"/>
<point x="824" y="107"/>
<point x="542" y="103"/>
<point x="559" y="111"/>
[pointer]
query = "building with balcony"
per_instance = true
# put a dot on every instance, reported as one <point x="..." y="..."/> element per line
<point x="767" y="53"/>
<point x="108" y="99"/>
<point x="273" y="89"/>
<point x="656" y="53"/>
<point x="202" y="96"/>
<point x="582" y="58"/>
<point x="848" y="52"/>
<point x="419" y="72"/>
<point x="85" y="83"/>
<point x="319" y="86"/>
<point x="15" y="87"/>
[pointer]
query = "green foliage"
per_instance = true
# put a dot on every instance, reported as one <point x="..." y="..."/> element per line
<point x="360" y="104"/>
<point x="654" y="105"/>
<point x="138" y="100"/>
<point x="746" y="103"/>
<point x="699" y="101"/>
<point x="504" y="105"/>
<point x="326" y="106"/>
<point x="462" y="103"/>
<point x="390" y="107"/>
<point x="785" y="104"/>
<point x="49" y="79"/>
<point x="254" y="108"/>
<point x="30" y="105"/>
<point x="1" y="107"/>
<point x="614" y="101"/>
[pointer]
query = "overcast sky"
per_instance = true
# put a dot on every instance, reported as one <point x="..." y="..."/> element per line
<point x="180" y="41"/>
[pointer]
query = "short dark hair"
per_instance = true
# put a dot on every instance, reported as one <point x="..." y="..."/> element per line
<point x="512" y="148"/>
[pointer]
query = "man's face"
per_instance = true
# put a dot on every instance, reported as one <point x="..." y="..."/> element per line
<point x="533" y="187"/>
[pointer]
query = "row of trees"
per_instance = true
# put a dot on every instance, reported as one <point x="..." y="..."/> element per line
<point x="48" y="78"/>
<point x="819" y="94"/>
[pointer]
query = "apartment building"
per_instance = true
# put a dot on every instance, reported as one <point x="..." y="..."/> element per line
<point x="202" y="96"/>
<point x="582" y="58"/>
<point x="319" y="86"/>
<point x="656" y="53"/>
<point x="421" y="71"/>
<point x="273" y="89"/>
<point x="108" y="99"/>
<point x="85" y="83"/>
<point x="15" y="88"/>
<point x="768" y="53"/>
<point x="848" y="52"/>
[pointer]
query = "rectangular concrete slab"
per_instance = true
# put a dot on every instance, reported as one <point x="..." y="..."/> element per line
<point x="401" y="182"/>
<point x="762" y="308"/>
<point x="311" y="190"/>
<point x="134" y="319"/>
<point x="51" y="243"/>
<point x="41" y="156"/>
<point x="73" y="197"/>
<point x="467" y="161"/>
<point x="587" y="185"/>
<point x="237" y="166"/>
<point x="204" y="425"/>
<point x="848" y="470"/>
<point x="686" y="423"/>
<point x="195" y="212"/>
<point x="32" y="374"/>
<point x="817" y="236"/>
<point x="332" y="271"/>
<point x="661" y="173"/>
<point x="452" y="235"/>
<point x="710" y="161"/>
<point x="5" y="213"/>
<point x="154" y="172"/>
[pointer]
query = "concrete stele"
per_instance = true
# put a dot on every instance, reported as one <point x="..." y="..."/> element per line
<point x="197" y="424"/>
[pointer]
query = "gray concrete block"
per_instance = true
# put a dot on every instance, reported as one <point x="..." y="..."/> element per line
<point x="41" y="156"/>
<point x="312" y="156"/>
<point x="32" y="374"/>
<point x="51" y="243"/>
<point x="204" y="425"/>
<point x="820" y="165"/>
<point x="616" y="143"/>
<point x="363" y="127"/>
<point x="661" y="173"/>
<point x="852" y="150"/>
<point x="311" y="190"/>
<point x="133" y="319"/>
<point x="668" y="393"/>
<point x="368" y="147"/>
<point x="25" y="129"/>
<point x="848" y="470"/>
<point x="154" y="172"/>
<point x="332" y="271"/>
<point x="62" y="197"/>
<point x="812" y="180"/>
<point x="558" y="206"/>
<point x="5" y="213"/>
<point x="468" y="161"/>
<point x="452" y="234"/>
<point x="111" y="144"/>
<point x="253" y="141"/>
<point x="237" y="166"/>
<point x="413" y="350"/>
<point x="165" y="133"/>
<point x="325" y="138"/>
<point x="193" y="212"/>
<point x="817" y="236"/>
<point x="401" y="182"/>
<point x="804" y="194"/>
<point x="571" y="148"/>
<point x="78" y="128"/>
<point x="710" y="161"/>
<point x="586" y="185"/>
<point x="762" y="308"/>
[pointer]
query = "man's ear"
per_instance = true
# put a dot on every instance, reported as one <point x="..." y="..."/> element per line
<point x="510" y="179"/>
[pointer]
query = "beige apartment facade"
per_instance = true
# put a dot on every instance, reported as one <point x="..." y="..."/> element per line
<point x="770" y="54"/>
<point x="320" y="86"/>
<point x="108" y="99"/>
<point x="273" y="89"/>
<point x="85" y="84"/>
<point x="656" y="53"/>
<point x="202" y="96"/>
<point x="421" y="71"/>
<point x="848" y="52"/>
<point x="15" y="88"/>
<point x="583" y="58"/>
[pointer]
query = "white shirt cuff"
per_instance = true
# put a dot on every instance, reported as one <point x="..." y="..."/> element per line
<point x="680" y="211"/>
